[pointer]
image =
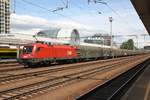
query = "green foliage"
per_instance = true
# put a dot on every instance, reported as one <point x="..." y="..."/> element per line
<point x="128" y="45"/>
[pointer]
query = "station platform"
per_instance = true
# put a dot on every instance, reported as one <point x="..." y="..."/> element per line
<point x="7" y="60"/>
<point x="141" y="89"/>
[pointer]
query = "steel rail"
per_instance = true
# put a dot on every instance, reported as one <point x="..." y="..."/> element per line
<point x="47" y="71"/>
<point x="68" y="78"/>
<point x="3" y="70"/>
<point x="8" y="65"/>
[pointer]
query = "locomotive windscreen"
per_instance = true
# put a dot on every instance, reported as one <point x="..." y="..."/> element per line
<point x="27" y="49"/>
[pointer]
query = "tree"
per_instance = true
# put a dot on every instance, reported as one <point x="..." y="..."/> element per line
<point x="128" y="45"/>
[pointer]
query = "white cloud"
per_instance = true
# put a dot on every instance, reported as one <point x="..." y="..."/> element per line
<point x="97" y="23"/>
<point x="29" y="24"/>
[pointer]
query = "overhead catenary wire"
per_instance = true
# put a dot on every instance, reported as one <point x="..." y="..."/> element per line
<point x="50" y="10"/>
<point x="14" y="6"/>
<point x="65" y="16"/>
<point x="63" y="2"/>
<point x="121" y="17"/>
<point x="85" y="37"/>
<point x="115" y="12"/>
<point x="81" y="8"/>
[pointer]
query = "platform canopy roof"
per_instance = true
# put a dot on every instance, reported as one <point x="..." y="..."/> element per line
<point x="143" y="9"/>
<point x="16" y="39"/>
<point x="54" y="36"/>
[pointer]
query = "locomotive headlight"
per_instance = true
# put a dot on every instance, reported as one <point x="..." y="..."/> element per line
<point x="69" y="52"/>
<point x="25" y="56"/>
<point x="31" y="56"/>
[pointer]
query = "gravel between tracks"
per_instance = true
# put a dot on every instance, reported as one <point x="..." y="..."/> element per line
<point x="37" y="78"/>
<point x="96" y="78"/>
<point x="71" y="91"/>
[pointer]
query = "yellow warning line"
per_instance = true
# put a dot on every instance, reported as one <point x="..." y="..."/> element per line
<point x="7" y="50"/>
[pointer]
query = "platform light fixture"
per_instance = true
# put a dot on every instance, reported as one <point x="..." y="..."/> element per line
<point x="111" y="38"/>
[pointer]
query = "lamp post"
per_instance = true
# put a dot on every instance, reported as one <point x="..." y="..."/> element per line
<point x="144" y="38"/>
<point x="111" y="41"/>
<point x="110" y="20"/>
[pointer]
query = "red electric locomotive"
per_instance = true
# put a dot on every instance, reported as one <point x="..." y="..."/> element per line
<point x="39" y="53"/>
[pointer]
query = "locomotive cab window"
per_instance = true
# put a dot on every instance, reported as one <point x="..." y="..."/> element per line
<point x="38" y="49"/>
<point x="27" y="49"/>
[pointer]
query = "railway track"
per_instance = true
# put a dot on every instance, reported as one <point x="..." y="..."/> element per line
<point x="6" y="67"/>
<point x="13" y="66"/>
<point x="8" y="64"/>
<point x="31" y="89"/>
<point x="24" y="76"/>
<point x="8" y="61"/>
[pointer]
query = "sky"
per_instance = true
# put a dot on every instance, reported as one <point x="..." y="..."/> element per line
<point x="33" y="15"/>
